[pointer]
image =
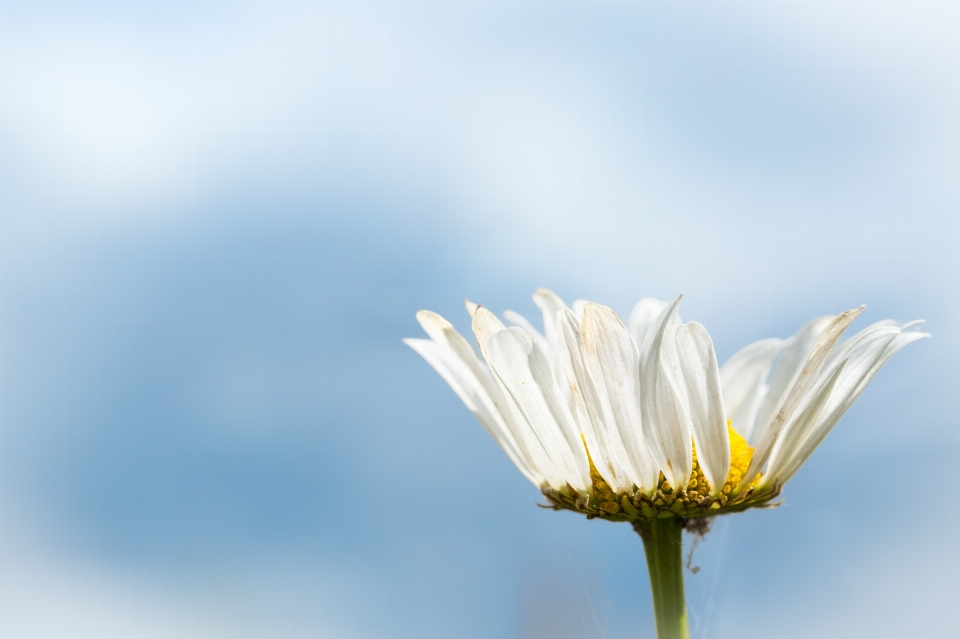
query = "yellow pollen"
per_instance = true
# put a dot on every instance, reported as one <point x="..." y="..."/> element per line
<point x="695" y="500"/>
<point x="740" y="455"/>
<point x="609" y="502"/>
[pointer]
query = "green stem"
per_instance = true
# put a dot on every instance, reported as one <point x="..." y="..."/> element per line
<point x="662" y="539"/>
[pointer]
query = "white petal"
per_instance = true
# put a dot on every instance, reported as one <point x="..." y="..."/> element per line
<point x="550" y="304"/>
<point x="842" y="349"/>
<point x="643" y="315"/>
<point x="802" y="382"/>
<point x="664" y="406"/>
<point x="519" y="320"/>
<point x="603" y="439"/>
<point x="794" y="432"/>
<point x="611" y="359"/>
<point x="747" y="415"/>
<point x="690" y="363"/>
<point x="577" y="307"/>
<point x="864" y="360"/>
<point x="499" y="406"/>
<point x="442" y="332"/>
<point x="785" y="370"/>
<point x="742" y="380"/>
<point x="523" y="370"/>
<point x="485" y="325"/>
<point x="471" y="307"/>
<point x="859" y="359"/>
<point x="474" y="395"/>
<point x="658" y="400"/>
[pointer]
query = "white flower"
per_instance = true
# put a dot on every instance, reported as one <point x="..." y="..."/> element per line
<point x="627" y="423"/>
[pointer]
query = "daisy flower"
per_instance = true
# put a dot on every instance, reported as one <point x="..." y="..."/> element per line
<point x="638" y="422"/>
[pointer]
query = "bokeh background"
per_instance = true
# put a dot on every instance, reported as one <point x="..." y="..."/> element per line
<point x="217" y="220"/>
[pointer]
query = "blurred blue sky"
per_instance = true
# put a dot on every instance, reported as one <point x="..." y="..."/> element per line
<point x="217" y="221"/>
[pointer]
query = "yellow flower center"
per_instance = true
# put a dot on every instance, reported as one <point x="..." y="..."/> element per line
<point x="692" y="501"/>
<point x="740" y="455"/>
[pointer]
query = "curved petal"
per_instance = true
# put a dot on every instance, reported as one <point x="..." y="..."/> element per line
<point x="550" y="304"/>
<point x="690" y="363"/>
<point x="611" y="360"/>
<point x="642" y="317"/>
<point x="669" y="438"/>
<point x="667" y="413"/>
<point x="842" y="349"/>
<point x="864" y="361"/>
<point x="602" y="438"/>
<point x="485" y="325"/>
<point x="786" y="369"/>
<point x="523" y="370"/>
<point x="794" y="432"/>
<point x="470" y="306"/>
<point x="802" y="382"/>
<point x="577" y="307"/>
<point x="443" y="333"/>
<point x="474" y="395"/>
<point x="742" y="380"/>
<point x="519" y="320"/>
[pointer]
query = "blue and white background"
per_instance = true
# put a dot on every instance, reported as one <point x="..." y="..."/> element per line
<point x="217" y="220"/>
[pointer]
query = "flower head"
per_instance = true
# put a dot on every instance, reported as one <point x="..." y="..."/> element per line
<point x="638" y="421"/>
